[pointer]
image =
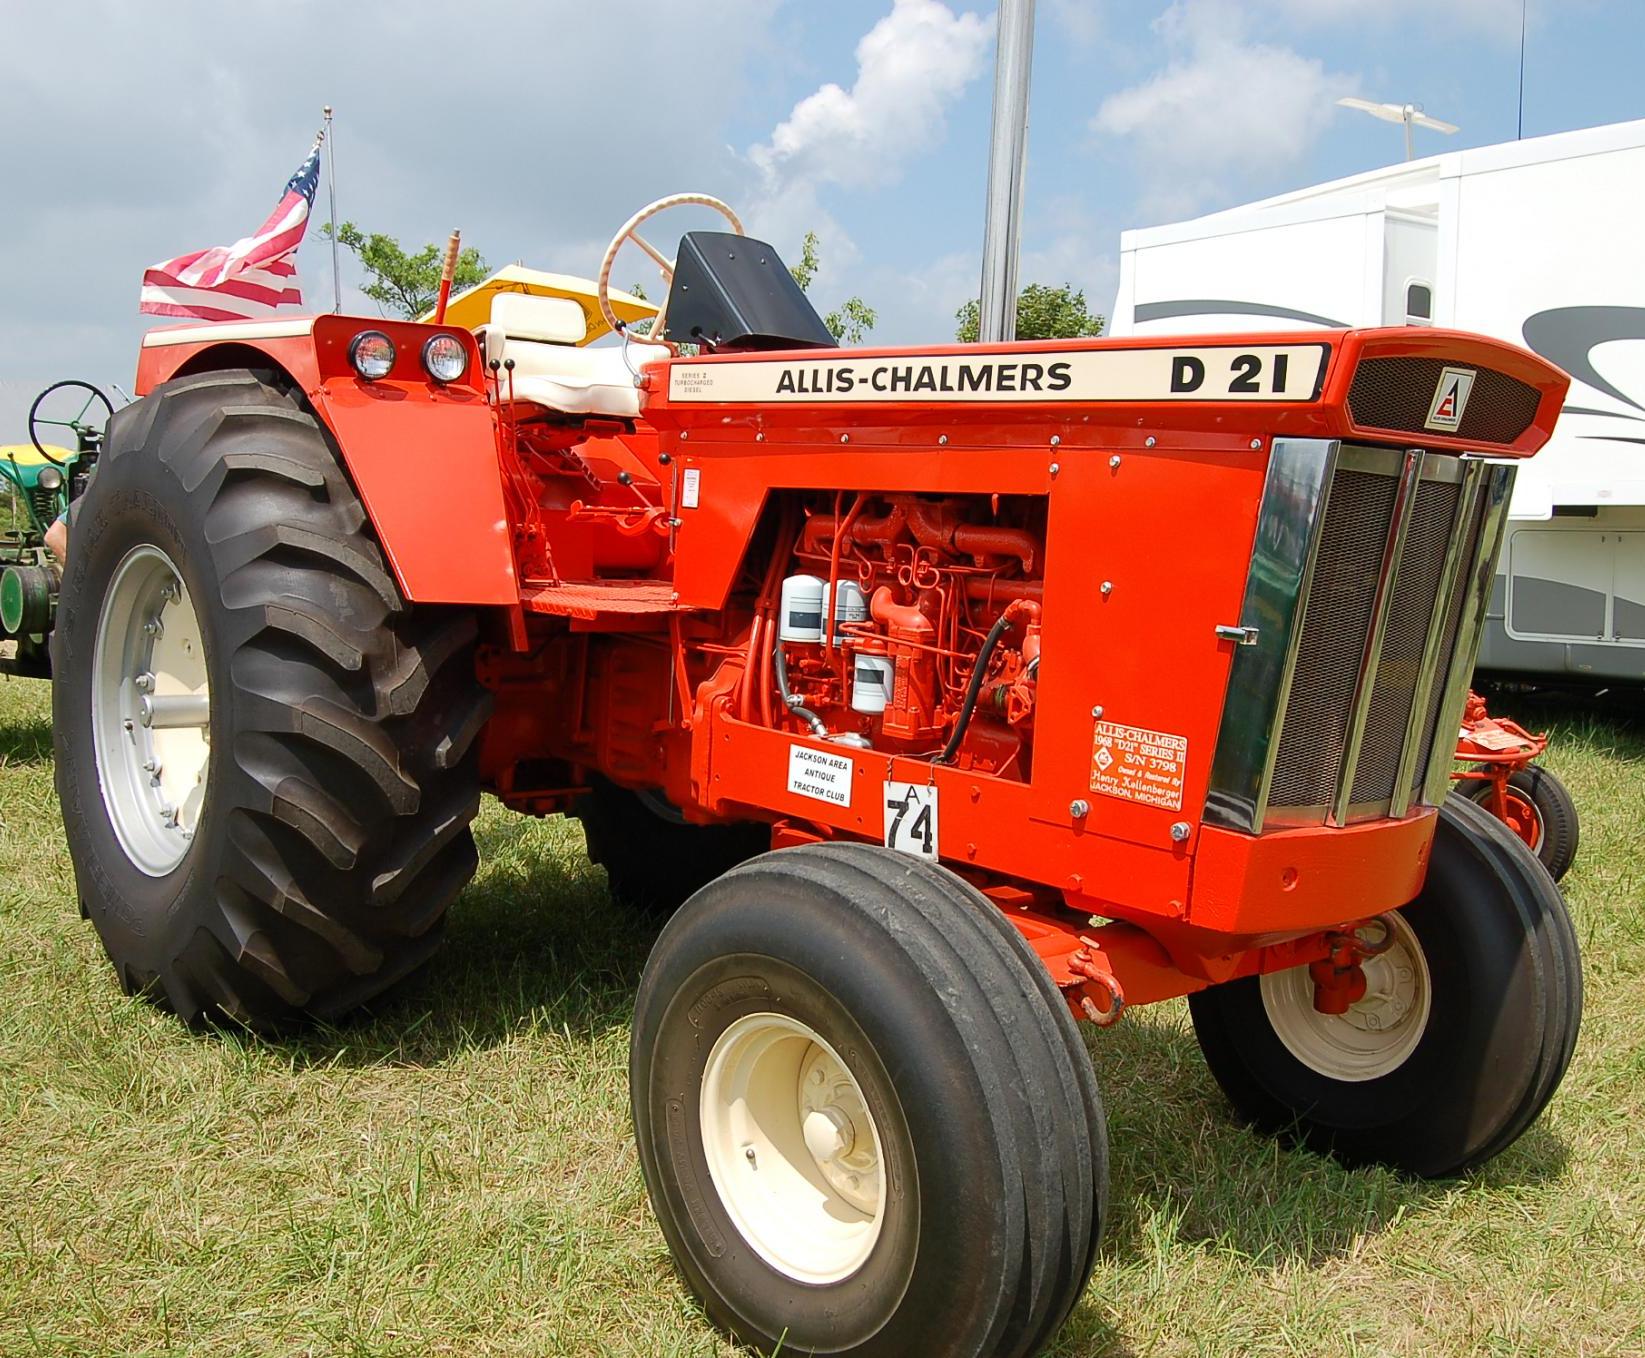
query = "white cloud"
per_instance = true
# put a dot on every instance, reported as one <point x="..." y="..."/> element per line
<point x="1225" y="114"/>
<point x="910" y="67"/>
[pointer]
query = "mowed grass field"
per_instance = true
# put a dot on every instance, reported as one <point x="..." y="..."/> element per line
<point x="454" y="1173"/>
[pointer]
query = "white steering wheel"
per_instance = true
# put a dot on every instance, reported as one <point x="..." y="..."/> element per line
<point x="630" y="232"/>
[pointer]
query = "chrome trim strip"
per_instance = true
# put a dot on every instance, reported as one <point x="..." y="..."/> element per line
<point x="1450" y="575"/>
<point x="1499" y="486"/>
<point x="1405" y="499"/>
<point x="1290" y="524"/>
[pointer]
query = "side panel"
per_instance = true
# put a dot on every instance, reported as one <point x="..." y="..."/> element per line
<point x="423" y="457"/>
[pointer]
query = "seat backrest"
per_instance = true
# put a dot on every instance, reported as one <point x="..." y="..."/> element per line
<point x="539" y="320"/>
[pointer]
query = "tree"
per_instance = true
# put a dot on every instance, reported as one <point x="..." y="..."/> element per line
<point x="849" y="322"/>
<point x="1043" y="312"/>
<point x="405" y="283"/>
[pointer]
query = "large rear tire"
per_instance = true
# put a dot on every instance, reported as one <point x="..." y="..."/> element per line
<point x="653" y="857"/>
<point x="864" y="1113"/>
<point x="265" y="758"/>
<point x="1465" y="1031"/>
<point x="1539" y="810"/>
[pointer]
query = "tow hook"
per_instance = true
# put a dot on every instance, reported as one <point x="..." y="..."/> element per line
<point x="1339" y="979"/>
<point x="1090" y="963"/>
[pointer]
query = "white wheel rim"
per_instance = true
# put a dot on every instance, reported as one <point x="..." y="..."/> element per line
<point x="150" y="710"/>
<point x="792" y="1149"/>
<point x="1378" y="1033"/>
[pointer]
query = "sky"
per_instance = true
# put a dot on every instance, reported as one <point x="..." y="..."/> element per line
<point x="133" y="133"/>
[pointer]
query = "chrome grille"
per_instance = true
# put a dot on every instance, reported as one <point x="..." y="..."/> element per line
<point x="1367" y="583"/>
<point x="1338" y="614"/>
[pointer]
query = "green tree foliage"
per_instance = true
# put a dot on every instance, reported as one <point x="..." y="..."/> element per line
<point x="849" y="322"/>
<point x="406" y="284"/>
<point x="1043" y="312"/>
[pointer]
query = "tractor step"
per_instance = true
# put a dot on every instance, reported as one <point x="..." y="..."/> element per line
<point x="588" y="599"/>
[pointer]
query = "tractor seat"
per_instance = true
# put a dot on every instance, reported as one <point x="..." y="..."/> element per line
<point x="542" y="336"/>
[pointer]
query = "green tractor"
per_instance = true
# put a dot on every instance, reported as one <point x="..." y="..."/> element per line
<point x="41" y="480"/>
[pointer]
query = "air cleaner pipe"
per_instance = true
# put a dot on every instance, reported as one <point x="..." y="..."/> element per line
<point x="1007" y="156"/>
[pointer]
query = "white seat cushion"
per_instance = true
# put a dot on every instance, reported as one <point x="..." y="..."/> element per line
<point x="576" y="381"/>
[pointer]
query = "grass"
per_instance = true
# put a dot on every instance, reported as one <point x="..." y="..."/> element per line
<point x="455" y="1173"/>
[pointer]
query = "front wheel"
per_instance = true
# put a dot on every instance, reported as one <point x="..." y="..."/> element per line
<point x="864" y="1113"/>
<point x="1464" y="1032"/>
<point x="1539" y="809"/>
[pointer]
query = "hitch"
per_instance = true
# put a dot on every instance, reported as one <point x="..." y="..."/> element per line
<point x="1339" y="979"/>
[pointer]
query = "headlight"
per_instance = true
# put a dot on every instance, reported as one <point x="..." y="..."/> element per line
<point x="372" y="354"/>
<point x="445" y="358"/>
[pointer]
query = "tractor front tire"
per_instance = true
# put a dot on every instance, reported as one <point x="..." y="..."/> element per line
<point x="1540" y="811"/>
<point x="265" y="757"/>
<point x="864" y="1113"/>
<point x="1466" y="1029"/>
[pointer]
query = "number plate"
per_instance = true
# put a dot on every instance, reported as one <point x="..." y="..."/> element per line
<point x="911" y="819"/>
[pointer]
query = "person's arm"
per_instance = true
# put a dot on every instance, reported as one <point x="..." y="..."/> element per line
<point x="57" y="538"/>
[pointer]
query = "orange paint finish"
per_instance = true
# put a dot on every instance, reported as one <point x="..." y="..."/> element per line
<point x="423" y="456"/>
<point x="1245" y="884"/>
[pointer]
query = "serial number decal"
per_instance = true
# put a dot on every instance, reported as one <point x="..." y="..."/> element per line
<point x="812" y="773"/>
<point x="1221" y="373"/>
<point x="1137" y="765"/>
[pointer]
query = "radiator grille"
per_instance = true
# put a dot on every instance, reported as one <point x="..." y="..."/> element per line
<point x="1337" y="620"/>
<point x="1396" y="393"/>
<point x="1408" y="617"/>
<point x="1340" y="601"/>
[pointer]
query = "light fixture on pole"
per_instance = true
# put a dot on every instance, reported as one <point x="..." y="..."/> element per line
<point x="1411" y="115"/>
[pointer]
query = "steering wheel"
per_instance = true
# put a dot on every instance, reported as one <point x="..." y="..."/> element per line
<point x="76" y="423"/>
<point x="630" y="232"/>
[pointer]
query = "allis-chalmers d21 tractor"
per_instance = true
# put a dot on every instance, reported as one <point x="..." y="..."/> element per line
<point x="958" y="693"/>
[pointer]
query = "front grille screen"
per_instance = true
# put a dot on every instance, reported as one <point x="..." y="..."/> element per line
<point x="1336" y="623"/>
<point x="1340" y="603"/>
<point x="1409" y="614"/>
<point x="1396" y="393"/>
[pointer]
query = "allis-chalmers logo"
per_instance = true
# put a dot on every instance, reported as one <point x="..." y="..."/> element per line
<point x="1450" y="399"/>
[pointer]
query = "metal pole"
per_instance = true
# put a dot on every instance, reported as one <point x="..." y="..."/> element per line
<point x="331" y="185"/>
<point x="1410" y="150"/>
<point x="1007" y="159"/>
<point x="1519" y="132"/>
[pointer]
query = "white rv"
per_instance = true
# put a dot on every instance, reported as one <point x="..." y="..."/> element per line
<point x="1540" y="242"/>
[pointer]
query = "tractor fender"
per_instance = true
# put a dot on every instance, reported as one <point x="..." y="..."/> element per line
<point x="422" y="456"/>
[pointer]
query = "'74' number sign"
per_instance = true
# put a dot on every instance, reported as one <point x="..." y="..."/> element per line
<point x="911" y="819"/>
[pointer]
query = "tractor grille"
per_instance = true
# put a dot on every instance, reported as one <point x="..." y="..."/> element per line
<point x="1341" y="628"/>
<point x="1396" y="393"/>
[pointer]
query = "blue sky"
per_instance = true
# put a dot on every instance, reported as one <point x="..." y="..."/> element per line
<point x="866" y="120"/>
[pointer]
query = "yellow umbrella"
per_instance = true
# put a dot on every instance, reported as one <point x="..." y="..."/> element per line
<point x="472" y="308"/>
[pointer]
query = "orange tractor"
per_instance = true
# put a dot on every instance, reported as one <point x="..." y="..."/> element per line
<point x="959" y="693"/>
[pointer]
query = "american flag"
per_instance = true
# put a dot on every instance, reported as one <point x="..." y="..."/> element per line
<point x="245" y="281"/>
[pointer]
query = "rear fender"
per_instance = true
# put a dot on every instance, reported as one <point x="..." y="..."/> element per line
<point x="422" y="456"/>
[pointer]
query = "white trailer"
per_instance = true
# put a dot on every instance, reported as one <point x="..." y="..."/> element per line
<point x="1540" y="242"/>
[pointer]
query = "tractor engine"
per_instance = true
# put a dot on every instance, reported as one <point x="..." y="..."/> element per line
<point x="911" y="623"/>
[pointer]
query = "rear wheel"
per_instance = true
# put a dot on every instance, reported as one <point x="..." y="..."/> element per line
<point x="265" y="758"/>
<point x="653" y="857"/>
<point x="864" y="1113"/>
<point x="1538" y="809"/>
<point x="1465" y="1030"/>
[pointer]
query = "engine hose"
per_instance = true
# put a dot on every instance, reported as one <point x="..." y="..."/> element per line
<point x="805" y="714"/>
<point x="974" y="688"/>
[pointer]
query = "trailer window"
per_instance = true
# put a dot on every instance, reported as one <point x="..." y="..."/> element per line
<point x="1419" y="304"/>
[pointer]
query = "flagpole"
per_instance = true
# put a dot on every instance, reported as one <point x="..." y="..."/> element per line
<point x="331" y="185"/>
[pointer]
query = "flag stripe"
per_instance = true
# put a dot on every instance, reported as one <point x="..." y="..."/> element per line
<point x="246" y="280"/>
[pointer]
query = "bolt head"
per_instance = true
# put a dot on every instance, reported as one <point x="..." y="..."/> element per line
<point x="942" y="439"/>
<point x="845" y="438"/>
<point x="1180" y="830"/>
<point x="1114" y="462"/>
<point x="1256" y="443"/>
<point x="1055" y="468"/>
<point x="1107" y="588"/>
<point x="1097" y="711"/>
<point x="1056" y="440"/>
<point x="1079" y="808"/>
<point x="1150" y="441"/>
